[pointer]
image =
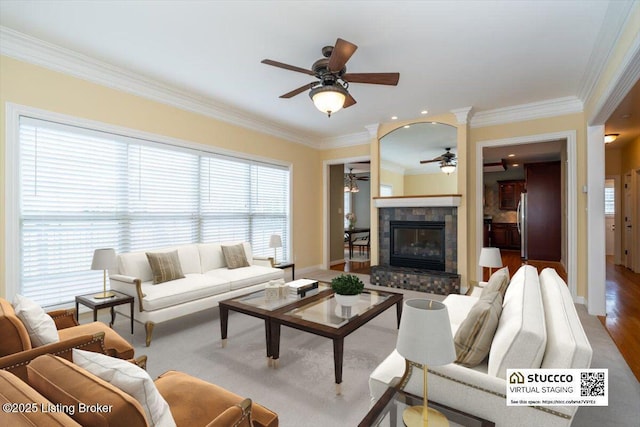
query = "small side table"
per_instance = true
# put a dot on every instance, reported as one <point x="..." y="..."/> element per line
<point x="286" y="264"/>
<point x="96" y="304"/>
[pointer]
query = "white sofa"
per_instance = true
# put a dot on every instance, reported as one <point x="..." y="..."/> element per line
<point x="207" y="280"/>
<point x="538" y="328"/>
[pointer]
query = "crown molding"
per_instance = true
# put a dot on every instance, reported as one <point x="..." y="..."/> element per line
<point x="357" y="138"/>
<point x="35" y="51"/>
<point x="462" y="115"/>
<point x="531" y="111"/>
<point x="616" y="19"/>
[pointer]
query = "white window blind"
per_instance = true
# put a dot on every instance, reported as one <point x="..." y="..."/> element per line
<point x="82" y="189"/>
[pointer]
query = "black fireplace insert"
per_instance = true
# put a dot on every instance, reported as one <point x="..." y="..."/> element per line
<point x="418" y="244"/>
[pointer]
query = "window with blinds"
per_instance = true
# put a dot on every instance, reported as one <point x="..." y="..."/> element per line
<point x="82" y="189"/>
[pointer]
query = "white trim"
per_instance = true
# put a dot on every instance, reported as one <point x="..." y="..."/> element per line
<point x="616" y="18"/>
<point x="462" y="114"/>
<point x="625" y="77"/>
<point x="358" y="138"/>
<point x="572" y="197"/>
<point x="11" y="188"/>
<point x="412" y="202"/>
<point x="326" y="253"/>
<point x="596" y="253"/>
<point x="531" y="111"/>
<point x="617" y="234"/>
<point x="30" y="49"/>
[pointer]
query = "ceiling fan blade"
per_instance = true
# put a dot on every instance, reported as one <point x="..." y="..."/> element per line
<point x="341" y="53"/>
<point x="430" y="161"/>
<point x="390" y="79"/>
<point x="299" y="90"/>
<point x="287" y="66"/>
<point x="349" y="101"/>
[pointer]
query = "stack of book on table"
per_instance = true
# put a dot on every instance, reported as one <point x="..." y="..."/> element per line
<point x="303" y="287"/>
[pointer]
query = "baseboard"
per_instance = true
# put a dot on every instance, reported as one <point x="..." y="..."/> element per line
<point x="336" y="262"/>
<point x="302" y="271"/>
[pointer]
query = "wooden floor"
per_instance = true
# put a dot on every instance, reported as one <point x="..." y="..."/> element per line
<point x="362" y="267"/>
<point x="513" y="260"/>
<point x="623" y="312"/>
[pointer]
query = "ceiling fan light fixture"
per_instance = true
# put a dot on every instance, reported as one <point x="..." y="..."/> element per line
<point x="610" y="137"/>
<point x="328" y="98"/>
<point x="448" y="167"/>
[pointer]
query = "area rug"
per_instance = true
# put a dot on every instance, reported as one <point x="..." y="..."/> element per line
<point x="301" y="390"/>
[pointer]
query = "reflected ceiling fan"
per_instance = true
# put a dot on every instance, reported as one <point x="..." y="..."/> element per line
<point x="330" y="93"/>
<point x="448" y="161"/>
<point x="350" y="181"/>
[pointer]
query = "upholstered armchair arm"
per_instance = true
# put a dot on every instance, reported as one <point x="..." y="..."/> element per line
<point x="237" y="415"/>
<point x="64" y="318"/>
<point x="265" y="261"/>
<point x="130" y="280"/>
<point x="17" y="363"/>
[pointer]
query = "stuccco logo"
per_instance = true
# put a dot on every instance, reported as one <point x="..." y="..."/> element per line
<point x="516" y="378"/>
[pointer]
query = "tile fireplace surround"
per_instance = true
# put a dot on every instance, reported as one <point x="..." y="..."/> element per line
<point x="438" y="282"/>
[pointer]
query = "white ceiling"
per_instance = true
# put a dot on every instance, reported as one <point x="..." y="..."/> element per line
<point x="450" y="54"/>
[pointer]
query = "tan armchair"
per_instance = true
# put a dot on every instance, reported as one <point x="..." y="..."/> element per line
<point x="192" y="402"/>
<point x="14" y="337"/>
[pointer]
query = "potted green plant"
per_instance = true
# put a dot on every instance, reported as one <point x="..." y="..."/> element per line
<point x="347" y="288"/>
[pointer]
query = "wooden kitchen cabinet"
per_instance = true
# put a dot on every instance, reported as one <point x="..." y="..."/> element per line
<point x="509" y="194"/>
<point x="504" y="235"/>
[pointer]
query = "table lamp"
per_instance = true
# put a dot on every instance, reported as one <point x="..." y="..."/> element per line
<point x="104" y="259"/>
<point x="490" y="257"/>
<point x="425" y="338"/>
<point x="275" y="242"/>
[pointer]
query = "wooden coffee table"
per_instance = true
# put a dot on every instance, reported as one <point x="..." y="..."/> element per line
<point x="393" y="402"/>
<point x="318" y="314"/>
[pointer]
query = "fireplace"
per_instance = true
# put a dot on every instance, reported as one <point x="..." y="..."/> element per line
<point x="418" y="244"/>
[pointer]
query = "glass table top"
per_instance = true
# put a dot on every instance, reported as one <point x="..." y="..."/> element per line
<point x="260" y="300"/>
<point x="326" y="311"/>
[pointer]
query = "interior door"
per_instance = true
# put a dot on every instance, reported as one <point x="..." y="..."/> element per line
<point x="627" y="253"/>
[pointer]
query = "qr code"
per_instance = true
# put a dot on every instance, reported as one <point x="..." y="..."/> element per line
<point x="592" y="384"/>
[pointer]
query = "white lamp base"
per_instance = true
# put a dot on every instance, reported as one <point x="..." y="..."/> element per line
<point x="413" y="417"/>
<point x="103" y="295"/>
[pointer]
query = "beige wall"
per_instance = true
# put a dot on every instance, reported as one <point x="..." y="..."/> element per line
<point x="34" y="86"/>
<point x="431" y="184"/>
<point x="575" y="122"/>
<point x="613" y="161"/>
<point x="630" y="156"/>
<point x="394" y="179"/>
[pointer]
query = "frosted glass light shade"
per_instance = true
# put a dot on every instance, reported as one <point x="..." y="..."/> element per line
<point x="328" y="99"/>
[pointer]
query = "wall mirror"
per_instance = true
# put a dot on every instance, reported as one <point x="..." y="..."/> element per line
<point x="401" y="150"/>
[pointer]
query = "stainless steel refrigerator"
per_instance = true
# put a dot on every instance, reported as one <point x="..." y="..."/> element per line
<point x="521" y="222"/>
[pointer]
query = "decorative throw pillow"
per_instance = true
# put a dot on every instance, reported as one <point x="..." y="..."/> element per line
<point x="498" y="282"/>
<point x="131" y="379"/>
<point x="40" y="326"/>
<point x="475" y="334"/>
<point x="165" y="266"/>
<point x="234" y="256"/>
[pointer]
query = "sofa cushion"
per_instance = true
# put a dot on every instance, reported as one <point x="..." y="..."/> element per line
<point x="136" y="264"/>
<point x="192" y="287"/>
<point x="62" y="382"/>
<point x="234" y="256"/>
<point x="458" y="307"/>
<point x="15" y="391"/>
<point x="521" y="336"/>
<point x="246" y="276"/>
<point x="474" y="336"/>
<point x="114" y="344"/>
<point x="211" y="256"/>
<point x="40" y="326"/>
<point x="131" y="379"/>
<point x="165" y="266"/>
<point x="567" y="344"/>
<point x="498" y="282"/>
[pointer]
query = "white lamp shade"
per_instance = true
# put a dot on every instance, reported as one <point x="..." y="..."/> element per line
<point x="103" y="259"/>
<point x="425" y="333"/>
<point x="490" y="257"/>
<point x="275" y="241"/>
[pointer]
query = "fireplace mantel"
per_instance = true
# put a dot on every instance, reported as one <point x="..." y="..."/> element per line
<point x="445" y="200"/>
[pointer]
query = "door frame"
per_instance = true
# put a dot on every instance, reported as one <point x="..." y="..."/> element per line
<point x="326" y="251"/>
<point x="571" y="220"/>
<point x="617" y="217"/>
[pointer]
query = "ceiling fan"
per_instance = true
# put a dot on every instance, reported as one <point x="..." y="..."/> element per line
<point x="350" y="181"/>
<point x="330" y="93"/>
<point x="447" y="161"/>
